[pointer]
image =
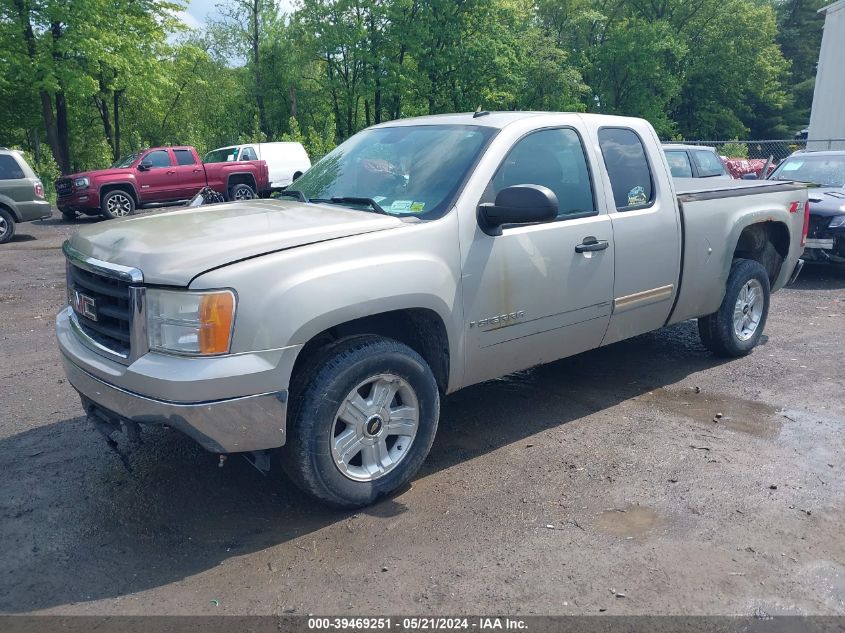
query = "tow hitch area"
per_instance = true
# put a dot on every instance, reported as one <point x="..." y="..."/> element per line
<point x="108" y="425"/>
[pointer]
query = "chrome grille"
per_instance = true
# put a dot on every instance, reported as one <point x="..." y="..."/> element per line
<point x="106" y="306"/>
<point x="64" y="187"/>
<point x="107" y="317"/>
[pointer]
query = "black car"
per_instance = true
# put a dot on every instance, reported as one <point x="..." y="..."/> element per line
<point x="826" y="236"/>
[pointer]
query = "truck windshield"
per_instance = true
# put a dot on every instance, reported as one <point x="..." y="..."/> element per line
<point x="827" y="170"/>
<point x="126" y="161"/>
<point x="412" y="171"/>
<point x="224" y="155"/>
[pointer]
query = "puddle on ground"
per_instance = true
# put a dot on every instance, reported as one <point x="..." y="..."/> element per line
<point x="630" y="521"/>
<point x="746" y="416"/>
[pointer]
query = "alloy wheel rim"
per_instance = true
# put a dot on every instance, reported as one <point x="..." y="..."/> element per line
<point x="748" y="310"/>
<point x="243" y="193"/>
<point x="4" y="226"/>
<point x="119" y="205"/>
<point x="374" y="427"/>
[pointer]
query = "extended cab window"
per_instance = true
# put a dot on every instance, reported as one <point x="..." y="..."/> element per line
<point x="159" y="158"/>
<point x="184" y="157"/>
<point x="247" y="153"/>
<point x="9" y="168"/>
<point x="679" y="164"/>
<point x="553" y="159"/>
<point x="708" y="163"/>
<point x="628" y="168"/>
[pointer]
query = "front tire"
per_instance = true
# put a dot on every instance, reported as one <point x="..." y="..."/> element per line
<point x="69" y="216"/>
<point x="736" y="327"/>
<point x="117" y="204"/>
<point x="7" y="226"/>
<point x="363" y="418"/>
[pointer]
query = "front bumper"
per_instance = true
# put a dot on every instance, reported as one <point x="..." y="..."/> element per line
<point x="81" y="201"/>
<point x="227" y="403"/>
<point x="222" y="426"/>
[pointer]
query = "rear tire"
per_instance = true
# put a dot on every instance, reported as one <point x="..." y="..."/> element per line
<point x="241" y="192"/>
<point x="363" y="418"/>
<point x="117" y="204"/>
<point x="736" y="327"/>
<point x="7" y="226"/>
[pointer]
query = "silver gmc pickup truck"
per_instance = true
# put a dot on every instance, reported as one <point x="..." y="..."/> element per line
<point x="419" y="257"/>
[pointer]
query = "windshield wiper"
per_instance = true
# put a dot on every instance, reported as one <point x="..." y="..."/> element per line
<point x="293" y="193"/>
<point x="375" y="206"/>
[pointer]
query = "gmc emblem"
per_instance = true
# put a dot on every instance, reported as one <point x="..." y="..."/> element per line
<point x="84" y="305"/>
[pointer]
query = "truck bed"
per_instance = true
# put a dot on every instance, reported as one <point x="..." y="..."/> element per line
<point x="713" y="213"/>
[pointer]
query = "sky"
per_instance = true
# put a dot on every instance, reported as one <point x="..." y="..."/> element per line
<point x="198" y="10"/>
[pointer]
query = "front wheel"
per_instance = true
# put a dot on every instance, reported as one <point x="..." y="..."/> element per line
<point x="364" y="416"/>
<point x="117" y="204"/>
<point x="736" y="327"/>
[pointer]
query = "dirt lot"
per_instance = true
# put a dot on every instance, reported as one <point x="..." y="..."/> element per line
<point x="596" y="484"/>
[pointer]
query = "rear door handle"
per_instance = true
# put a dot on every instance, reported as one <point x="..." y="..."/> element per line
<point x="591" y="244"/>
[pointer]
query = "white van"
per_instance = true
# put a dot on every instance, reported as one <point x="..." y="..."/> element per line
<point x="284" y="159"/>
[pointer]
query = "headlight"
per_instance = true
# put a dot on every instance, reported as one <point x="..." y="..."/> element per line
<point x="837" y="221"/>
<point x="81" y="183"/>
<point x="191" y="323"/>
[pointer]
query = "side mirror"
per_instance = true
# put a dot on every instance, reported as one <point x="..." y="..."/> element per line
<point x="296" y="175"/>
<point x="518" y="204"/>
<point x="145" y="165"/>
<point x="750" y="177"/>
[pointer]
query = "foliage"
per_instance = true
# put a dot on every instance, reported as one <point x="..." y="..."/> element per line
<point x="87" y="80"/>
<point x="734" y="150"/>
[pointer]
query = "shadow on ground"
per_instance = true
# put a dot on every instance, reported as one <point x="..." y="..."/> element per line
<point x="77" y="527"/>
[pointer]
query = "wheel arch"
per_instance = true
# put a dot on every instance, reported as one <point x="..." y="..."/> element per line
<point x="241" y="178"/>
<point x="766" y="242"/>
<point x="8" y="205"/>
<point x="421" y="329"/>
<point x="126" y="187"/>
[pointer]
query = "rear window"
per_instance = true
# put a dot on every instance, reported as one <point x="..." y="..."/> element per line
<point x="247" y="153"/>
<point x="9" y="168"/>
<point x="628" y="168"/>
<point x="708" y="163"/>
<point x="184" y="157"/>
<point x="679" y="164"/>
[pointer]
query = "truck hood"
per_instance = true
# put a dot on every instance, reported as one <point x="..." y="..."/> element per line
<point x="172" y="248"/>
<point x="827" y="201"/>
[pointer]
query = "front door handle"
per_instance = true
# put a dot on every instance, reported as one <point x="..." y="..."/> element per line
<point x="591" y="244"/>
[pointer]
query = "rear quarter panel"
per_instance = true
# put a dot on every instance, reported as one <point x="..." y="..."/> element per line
<point x="712" y="228"/>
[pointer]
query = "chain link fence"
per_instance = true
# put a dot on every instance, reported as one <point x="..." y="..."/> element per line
<point x="778" y="149"/>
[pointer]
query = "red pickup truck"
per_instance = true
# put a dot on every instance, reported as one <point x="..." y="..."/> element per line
<point x="157" y="175"/>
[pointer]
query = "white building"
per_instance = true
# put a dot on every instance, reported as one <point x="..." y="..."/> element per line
<point x="827" y="118"/>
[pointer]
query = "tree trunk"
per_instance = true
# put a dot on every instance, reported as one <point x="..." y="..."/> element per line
<point x="46" y="100"/>
<point x="256" y="62"/>
<point x="293" y="103"/>
<point x="117" y="95"/>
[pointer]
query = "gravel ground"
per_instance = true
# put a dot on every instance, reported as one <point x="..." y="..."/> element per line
<point x="597" y="484"/>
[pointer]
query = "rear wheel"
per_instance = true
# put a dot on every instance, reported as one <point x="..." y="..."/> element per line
<point x="736" y="327"/>
<point x="363" y="420"/>
<point x="241" y="192"/>
<point x="117" y="204"/>
<point x="7" y="226"/>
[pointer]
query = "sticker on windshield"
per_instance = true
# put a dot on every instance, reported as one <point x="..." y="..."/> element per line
<point x="378" y="199"/>
<point x="792" y="165"/>
<point x="401" y="206"/>
<point x="417" y="207"/>
<point x="637" y="196"/>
